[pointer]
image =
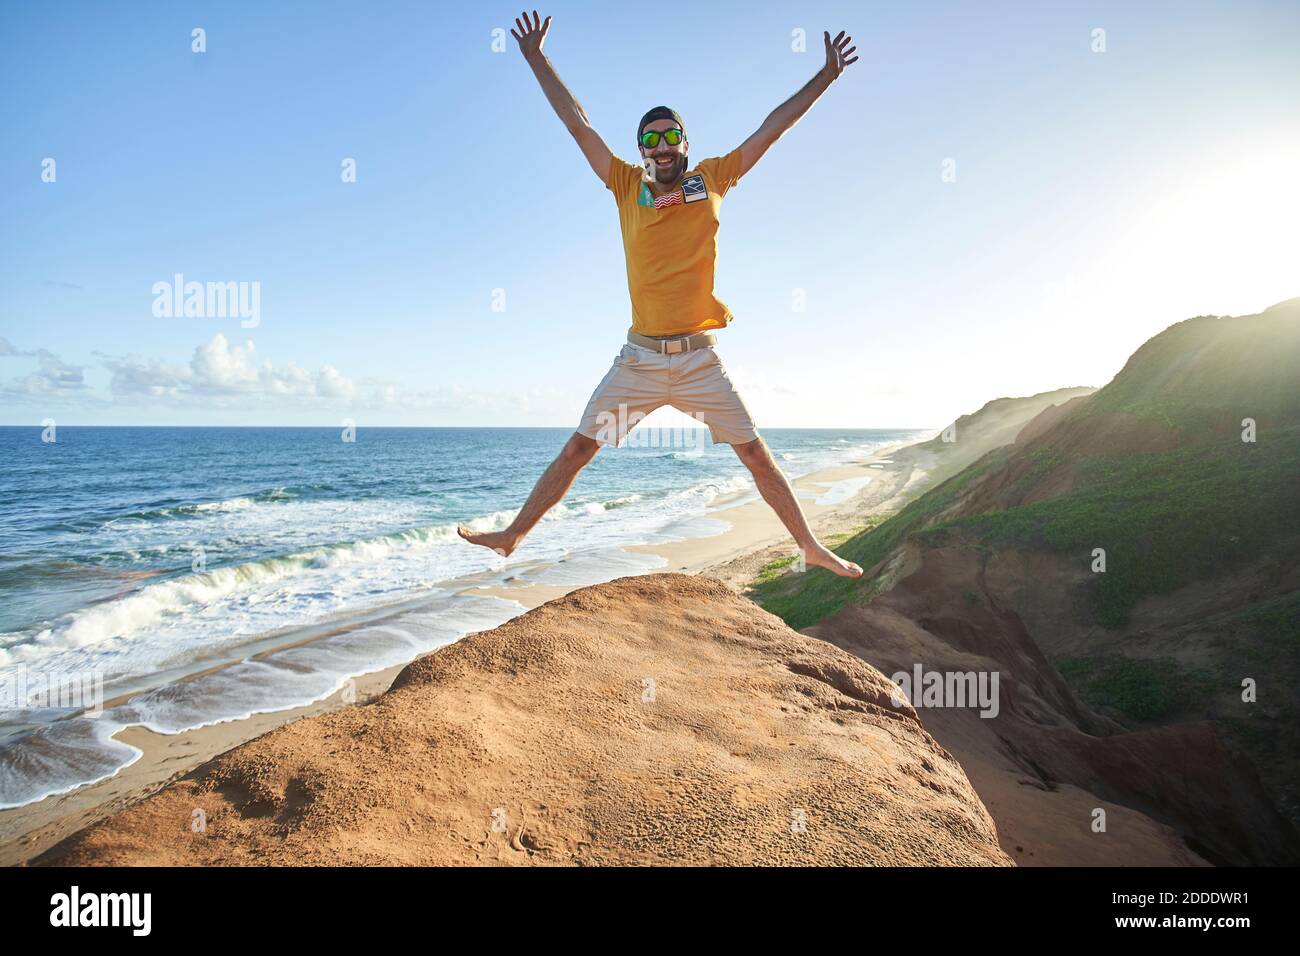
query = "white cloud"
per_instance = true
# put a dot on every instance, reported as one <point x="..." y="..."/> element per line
<point x="222" y="374"/>
<point x="227" y="372"/>
<point x="149" y="379"/>
<point x="330" y="383"/>
<point x="219" y="367"/>
<point x="53" y="379"/>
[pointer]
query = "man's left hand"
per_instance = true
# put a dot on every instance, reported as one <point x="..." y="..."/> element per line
<point x="837" y="56"/>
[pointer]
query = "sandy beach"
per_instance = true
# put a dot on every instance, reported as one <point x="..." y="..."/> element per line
<point x="836" y="500"/>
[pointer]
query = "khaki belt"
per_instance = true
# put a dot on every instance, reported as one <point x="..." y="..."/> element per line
<point x="671" y="346"/>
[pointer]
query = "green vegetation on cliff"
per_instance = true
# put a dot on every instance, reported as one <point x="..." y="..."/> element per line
<point x="806" y="598"/>
<point x="1163" y="518"/>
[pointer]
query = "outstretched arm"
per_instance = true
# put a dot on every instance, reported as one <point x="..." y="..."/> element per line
<point x="572" y="115"/>
<point x="788" y="113"/>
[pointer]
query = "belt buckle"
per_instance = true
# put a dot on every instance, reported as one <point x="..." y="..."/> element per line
<point x="673" y="346"/>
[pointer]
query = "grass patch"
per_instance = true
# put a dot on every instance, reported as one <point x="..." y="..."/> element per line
<point x="1277" y="621"/>
<point x="1140" y="690"/>
<point x="1163" y="519"/>
<point x="804" y="599"/>
<point x="1044" y="460"/>
<point x="773" y="569"/>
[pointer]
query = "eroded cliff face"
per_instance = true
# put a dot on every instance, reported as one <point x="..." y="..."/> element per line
<point x="1044" y="763"/>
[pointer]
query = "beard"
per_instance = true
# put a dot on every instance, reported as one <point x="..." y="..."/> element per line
<point x="670" y="174"/>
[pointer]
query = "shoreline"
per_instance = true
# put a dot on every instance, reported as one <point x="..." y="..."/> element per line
<point x="754" y="537"/>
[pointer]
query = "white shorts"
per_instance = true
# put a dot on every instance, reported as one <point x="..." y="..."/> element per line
<point x="642" y="379"/>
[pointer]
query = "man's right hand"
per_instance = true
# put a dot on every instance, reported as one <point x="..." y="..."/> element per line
<point x="531" y="34"/>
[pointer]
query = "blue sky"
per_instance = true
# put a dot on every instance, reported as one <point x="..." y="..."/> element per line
<point x="1099" y="197"/>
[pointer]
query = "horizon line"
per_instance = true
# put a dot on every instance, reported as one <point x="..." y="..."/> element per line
<point x="900" y="428"/>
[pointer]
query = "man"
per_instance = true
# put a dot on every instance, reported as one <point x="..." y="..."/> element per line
<point x="669" y="218"/>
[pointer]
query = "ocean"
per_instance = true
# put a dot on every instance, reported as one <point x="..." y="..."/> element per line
<point x="133" y="559"/>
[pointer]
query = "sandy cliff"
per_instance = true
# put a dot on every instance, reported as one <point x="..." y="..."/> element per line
<point x="658" y="719"/>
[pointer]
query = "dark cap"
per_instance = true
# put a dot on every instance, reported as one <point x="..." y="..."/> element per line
<point x="658" y="113"/>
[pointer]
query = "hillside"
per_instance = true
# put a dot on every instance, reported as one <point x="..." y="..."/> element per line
<point x="997" y="423"/>
<point x="1200" y="592"/>
<point x="657" y="719"/>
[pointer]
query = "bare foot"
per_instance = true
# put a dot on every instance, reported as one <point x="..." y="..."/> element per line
<point x="831" y="562"/>
<point x="502" y="542"/>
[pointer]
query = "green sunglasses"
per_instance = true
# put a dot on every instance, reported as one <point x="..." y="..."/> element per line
<point x="650" y="138"/>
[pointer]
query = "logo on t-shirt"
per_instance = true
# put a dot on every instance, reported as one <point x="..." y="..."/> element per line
<point x="692" y="190"/>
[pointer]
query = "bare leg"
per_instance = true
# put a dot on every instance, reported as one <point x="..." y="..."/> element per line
<point x="776" y="491"/>
<point x="550" y="488"/>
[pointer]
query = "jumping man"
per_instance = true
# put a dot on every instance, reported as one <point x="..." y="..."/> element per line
<point x="669" y="218"/>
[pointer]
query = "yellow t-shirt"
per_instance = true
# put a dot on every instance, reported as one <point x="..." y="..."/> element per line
<point x="671" y="245"/>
